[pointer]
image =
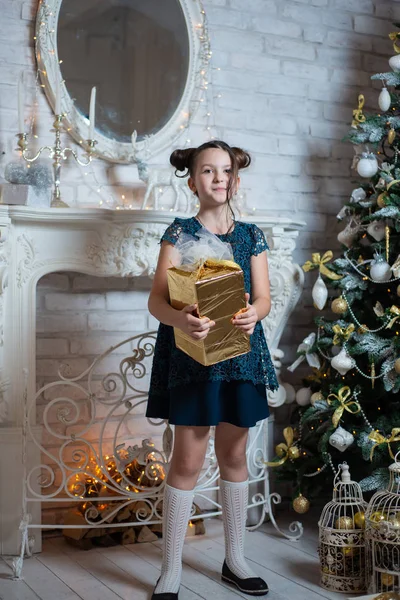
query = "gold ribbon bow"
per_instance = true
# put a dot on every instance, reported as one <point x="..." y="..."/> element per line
<point x="358" y="116"/>
<point x="283" y="450"/>
<point x="345" y="403"/>
<point x="342" y="334"/>
<point x="394" y="36"/>
<point x="392" y="183"/>
<point x="317" y="262"/>
<point x="379" y="439"/>
<point x="394" y="310"/>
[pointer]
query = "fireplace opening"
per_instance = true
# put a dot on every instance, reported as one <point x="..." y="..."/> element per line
<point x="102" y="462"/>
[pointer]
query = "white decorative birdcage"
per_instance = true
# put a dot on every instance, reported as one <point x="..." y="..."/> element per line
<point x="341" y="537"/>
<point x="382" y="535"/>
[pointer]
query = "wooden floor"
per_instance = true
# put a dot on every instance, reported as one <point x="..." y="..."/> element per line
<point x="61" y="572"/>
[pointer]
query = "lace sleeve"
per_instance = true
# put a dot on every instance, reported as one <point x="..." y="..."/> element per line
<point x="172" y="233"/>
<point x="259" y="241"/>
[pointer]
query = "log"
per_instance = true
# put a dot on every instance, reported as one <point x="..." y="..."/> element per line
<point x="128" y="536"/>
<point x="74" y="517"/>
<point x="146" y="535"/>
<point x="83" y="544"/>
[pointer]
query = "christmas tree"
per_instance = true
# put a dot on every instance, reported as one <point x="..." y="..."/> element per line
<point x="350" y="404"/>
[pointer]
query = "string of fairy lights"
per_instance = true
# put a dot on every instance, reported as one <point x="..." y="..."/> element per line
<point x="202" y="101"/>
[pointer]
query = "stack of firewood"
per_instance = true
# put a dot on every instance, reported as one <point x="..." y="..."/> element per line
<point x="123" y="526"/>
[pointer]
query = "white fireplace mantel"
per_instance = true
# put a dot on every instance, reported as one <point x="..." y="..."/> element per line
<point x="35" y="242"/>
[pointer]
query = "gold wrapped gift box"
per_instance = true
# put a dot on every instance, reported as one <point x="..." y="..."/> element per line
<point x="217" y="287"/>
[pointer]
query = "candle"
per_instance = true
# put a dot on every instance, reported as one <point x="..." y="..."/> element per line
<point x="92" y="113"/>
<point x="57" y="107"/>
<point x="21" y="125"/>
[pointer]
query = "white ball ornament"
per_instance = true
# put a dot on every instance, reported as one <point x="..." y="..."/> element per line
<point x="319" y="293"/>
<point x="341" y="439"/>
<point x="384" y="100"/>
<point x="394" y="62"/>
<point x="380" y="269"/>
<point x="303" y="396"/>
<point x="342" y="362"/>
<point x="367" y="165"/>
<point x="290" y="393"/>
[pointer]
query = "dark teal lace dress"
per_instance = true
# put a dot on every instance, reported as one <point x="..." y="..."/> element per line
<point x="233" y="391"/>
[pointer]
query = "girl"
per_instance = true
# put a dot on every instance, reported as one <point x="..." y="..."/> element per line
<point x="230" y="395"/>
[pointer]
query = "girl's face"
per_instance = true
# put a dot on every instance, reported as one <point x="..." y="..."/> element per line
<point x="213" y="170"/>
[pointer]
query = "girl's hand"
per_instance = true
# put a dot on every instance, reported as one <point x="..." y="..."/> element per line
<point x="197" y="328"/>
<point x="246" y="321"/>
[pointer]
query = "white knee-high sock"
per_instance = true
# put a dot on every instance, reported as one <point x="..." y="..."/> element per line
<point x="177" y="505"/>
<point x="234" y="497"/>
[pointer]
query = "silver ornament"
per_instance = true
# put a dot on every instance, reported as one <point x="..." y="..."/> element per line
<point x="376" y="229"/>
<point x="380" y="269"/>
<point x="384" y="100"/>
<point x="341" y="439"/>
<point x="358" y="195"/>
<point x="320" y="293"/>
<point x="342" y="362"/>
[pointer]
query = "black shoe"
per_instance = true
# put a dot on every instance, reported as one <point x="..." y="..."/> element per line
<point x="164" y="595"/>
<point x="252" y="585"/>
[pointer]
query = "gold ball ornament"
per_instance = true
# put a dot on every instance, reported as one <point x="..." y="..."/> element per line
<point x="362" y="329"/>
<point x="387" y="579"/>
<point x="316" y="397"/>
<point x="359" y="520"/>
<point x="293" y="452"/>
<point x="388" y="596"/>
<point x="391" y="135"/>
<point x="349" y="551"/>
<point x="301" y="504"/>
<point x="394" y="521"/>
<point x="397" y="365"/>
<point x="378" y="516"/>
<point x="344" y="523"/>
<point x="398" y="290"/>
<point x="339" y="305"/>
<point x="381" y="201"/>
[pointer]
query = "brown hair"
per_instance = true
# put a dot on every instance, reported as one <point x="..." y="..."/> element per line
<point x="185" y="160"/>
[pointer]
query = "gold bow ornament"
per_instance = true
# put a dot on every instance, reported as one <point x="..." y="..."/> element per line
<point x="317" y="262"/>
<point x="344" y="397"/>
<point x="342" y="335"/>
<point x="358" y="116"/>
<point x="394" y="36"/>
<point x="395" y="314"/>
<point x="379" y="439"/>
<point x="285" y="451"/>
<point x="396" y="267"/>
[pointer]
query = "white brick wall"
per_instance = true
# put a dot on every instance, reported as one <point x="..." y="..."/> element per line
<point x="290" y="75"/>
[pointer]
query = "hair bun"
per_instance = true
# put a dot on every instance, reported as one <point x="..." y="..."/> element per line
<point x="243" y="158"/>
<point x="180" y="158"/>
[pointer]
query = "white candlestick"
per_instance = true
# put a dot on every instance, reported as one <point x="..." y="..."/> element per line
<point x="21" y="125"/>
<point x="57" y="107"/>
<point x="92" y="113"/>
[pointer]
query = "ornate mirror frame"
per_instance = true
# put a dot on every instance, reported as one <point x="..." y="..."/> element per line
<point x="77" y="124"/>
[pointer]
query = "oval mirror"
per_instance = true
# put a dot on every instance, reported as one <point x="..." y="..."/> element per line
<point x="145" y="59"/>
